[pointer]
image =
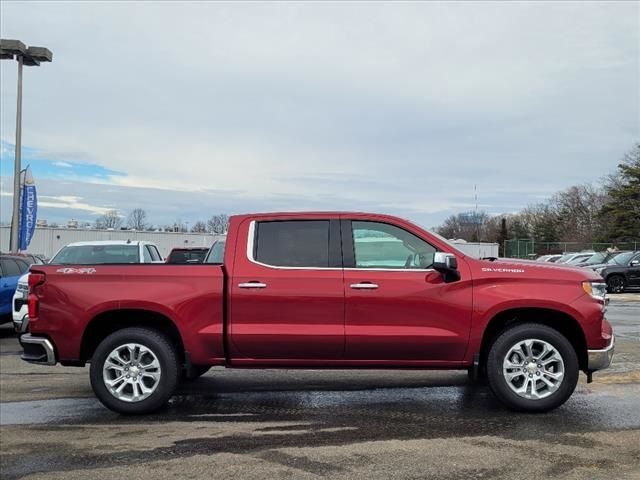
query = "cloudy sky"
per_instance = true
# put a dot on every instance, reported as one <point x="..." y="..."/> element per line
<point x="188" y="109"/>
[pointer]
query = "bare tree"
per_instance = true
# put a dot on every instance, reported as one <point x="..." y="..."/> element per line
<point x="199" y="227"/>
<point x="469" y="226"/>
<point x="218" y="224"/>
<point x="578" y="207"/>
<point x="137" y="219"/>
<point x="110" y="219"/>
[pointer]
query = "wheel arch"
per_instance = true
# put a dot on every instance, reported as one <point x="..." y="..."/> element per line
<point x="108" y="322"/>
<point x="560" y="321"/>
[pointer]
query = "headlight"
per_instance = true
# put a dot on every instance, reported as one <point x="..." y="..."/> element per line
<point x="597" y="290"/>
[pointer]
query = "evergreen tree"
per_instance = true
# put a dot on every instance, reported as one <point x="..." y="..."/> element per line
<point x="622" y="211"/>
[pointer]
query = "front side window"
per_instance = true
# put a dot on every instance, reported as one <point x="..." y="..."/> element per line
<point x="380" y="245"/>
<point x="295" y="243"/>
<point x="146" y="254"/>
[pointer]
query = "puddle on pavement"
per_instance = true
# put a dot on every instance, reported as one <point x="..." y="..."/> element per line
<point x="439" y="407"/>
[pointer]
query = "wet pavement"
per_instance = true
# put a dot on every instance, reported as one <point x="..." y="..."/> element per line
<point x="313" y="423"/>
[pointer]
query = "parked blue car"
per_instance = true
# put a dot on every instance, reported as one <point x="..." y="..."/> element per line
<point x="11" y="269"/>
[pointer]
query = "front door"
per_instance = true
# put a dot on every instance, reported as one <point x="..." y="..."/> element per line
<point x="634" y="271"/>
<point x="287" y="293"/>
<point x="396" y="306"/>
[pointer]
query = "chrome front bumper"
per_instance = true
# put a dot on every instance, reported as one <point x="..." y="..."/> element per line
<point x="600" y="359"/>
<point x="37" y="350"/>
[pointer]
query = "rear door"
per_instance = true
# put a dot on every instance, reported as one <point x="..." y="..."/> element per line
<point x="397" y="308"/>
<point x="286" y="292"/>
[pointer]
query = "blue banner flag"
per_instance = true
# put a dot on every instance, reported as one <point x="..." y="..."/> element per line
<point x="28" y="210"/>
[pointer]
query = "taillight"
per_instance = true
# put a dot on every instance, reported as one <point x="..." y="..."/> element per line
<point x="35" y="279"/>
<point x="33" y="306"/>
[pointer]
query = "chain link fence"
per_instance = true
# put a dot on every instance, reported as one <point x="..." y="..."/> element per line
<point x="527" y="248"/>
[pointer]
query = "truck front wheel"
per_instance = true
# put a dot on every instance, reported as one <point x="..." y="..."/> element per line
<point x="134" y="371"/>
<point x="616" y="283"/>
<point x="531" y="367"/>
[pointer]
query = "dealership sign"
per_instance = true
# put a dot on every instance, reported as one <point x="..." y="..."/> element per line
<point x="28" y="209"/>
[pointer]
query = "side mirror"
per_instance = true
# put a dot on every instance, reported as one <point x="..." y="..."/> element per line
<point x="447" y="265"/>
<point x="634" y="263"/>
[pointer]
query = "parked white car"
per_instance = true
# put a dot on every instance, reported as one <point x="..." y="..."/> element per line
<point x="84" y="253"/>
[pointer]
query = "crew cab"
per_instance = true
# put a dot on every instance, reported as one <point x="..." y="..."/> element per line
<point x="322" y="290"/>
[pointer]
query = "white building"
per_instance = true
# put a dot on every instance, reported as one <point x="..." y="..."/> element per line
<point x="47" y="241"/>
<point x="477" y="249"/>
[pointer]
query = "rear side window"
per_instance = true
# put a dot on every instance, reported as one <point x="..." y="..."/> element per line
<point x="296" y="243"/>
<point x="146" y="254"/>
<point x="155" y="255"/>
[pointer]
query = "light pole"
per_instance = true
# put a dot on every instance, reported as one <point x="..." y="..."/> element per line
<point x="29" y="56"/>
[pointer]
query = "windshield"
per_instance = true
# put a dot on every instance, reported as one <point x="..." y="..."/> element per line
<point x="596" y="258"/>
<point x="565" y="257"/>
<point x="216" y="253"/>
<point x="602" y="257"/>
<point x="97" y="254"/>
<point x="620" y="259"/>
<point x="579" y="259"/>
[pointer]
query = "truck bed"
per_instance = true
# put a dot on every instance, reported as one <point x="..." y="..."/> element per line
<point x="75" y="300"/>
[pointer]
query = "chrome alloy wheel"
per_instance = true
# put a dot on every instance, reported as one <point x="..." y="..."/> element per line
<point x="131" y="372"/>
<point x="533" y="369"/>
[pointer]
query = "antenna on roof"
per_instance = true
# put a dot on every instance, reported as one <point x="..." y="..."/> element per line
<point x="128" y="240"/>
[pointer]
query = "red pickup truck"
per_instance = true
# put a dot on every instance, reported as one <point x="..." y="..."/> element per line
<point x="322" y="290"/>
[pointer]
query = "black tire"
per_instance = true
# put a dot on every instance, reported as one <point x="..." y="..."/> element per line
<point x="196" y="372"/>
<point x="164" y="351"/>
<point x="499" y="350"/>
<point x="616" y="284"/>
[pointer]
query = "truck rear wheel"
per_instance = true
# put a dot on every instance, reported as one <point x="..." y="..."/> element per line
<point x="532" y="367"/>
<point x="134" y="371"/>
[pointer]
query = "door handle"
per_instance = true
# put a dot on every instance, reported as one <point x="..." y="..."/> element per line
<point x="252" y="285"/>
<point x="364" y="286"/>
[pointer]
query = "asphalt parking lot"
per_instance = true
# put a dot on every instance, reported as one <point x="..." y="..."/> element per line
<point x="307" y="424"/>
